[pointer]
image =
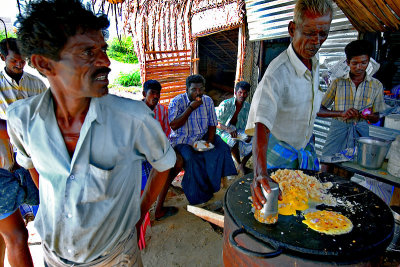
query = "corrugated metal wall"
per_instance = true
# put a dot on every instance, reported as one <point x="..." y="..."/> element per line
<point x="269" y="19"/>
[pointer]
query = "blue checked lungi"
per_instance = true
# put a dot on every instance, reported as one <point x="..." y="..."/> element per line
<point x="282" y="155"/>
<point x="146" y="168"/>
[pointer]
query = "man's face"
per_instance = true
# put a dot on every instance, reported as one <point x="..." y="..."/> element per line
<point x="358" y="65"/>
<point x="14" y="63"/>
<point x="309" y="35"/>
<point x="195" y="91"/>
<point x="241" y="95"/>
<point x="151" y="97"/>
<point x="83" y="66"/>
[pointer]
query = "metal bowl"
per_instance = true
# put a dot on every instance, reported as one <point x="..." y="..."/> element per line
<point x="371" y="152"/>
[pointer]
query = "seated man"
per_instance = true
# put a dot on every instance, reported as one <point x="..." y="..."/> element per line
<point x="151" y="94"/>
<point x="232" y="119"/>
<point x="15" y="187"/>
<point x="352" y="94"/>
<point x="192" y="118"/>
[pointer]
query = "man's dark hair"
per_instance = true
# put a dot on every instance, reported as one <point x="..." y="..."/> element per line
<point x="9" y="44"/>
<point x="196" y="78"/>
<point x="244" y="85"/>
<point x="45" y="27"/>
<point x="151" y="85"/>
<point x="358" y="48"/>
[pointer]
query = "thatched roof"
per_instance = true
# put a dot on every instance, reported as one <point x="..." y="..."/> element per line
<point x="372" y="15"/>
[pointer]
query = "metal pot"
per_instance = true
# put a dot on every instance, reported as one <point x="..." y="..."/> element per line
<point x="371" y="152"/>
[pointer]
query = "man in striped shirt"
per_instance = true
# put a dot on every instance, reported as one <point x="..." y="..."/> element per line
<point x="357" y="98"/>
<point x="192" y="118"/>
<point x="16" y="185"/>
<point x="151" y="93"/>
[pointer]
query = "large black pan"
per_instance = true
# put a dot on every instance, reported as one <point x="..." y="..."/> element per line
<point x="372" y="219"/>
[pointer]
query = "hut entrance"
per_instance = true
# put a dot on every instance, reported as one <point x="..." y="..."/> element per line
<point x="218" y="59"/>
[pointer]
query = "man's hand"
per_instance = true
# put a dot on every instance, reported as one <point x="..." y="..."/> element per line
<point x="256" y="191"/>
<point x="350" y="114"/>
<point x="234" y="134"/>
<point x="196" y="103"/>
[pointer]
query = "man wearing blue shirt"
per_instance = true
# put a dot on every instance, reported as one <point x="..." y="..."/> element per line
<point x="192" y="118"/>
<point x="83" y="146"/>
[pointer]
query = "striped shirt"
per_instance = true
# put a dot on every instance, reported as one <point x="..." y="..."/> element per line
<point x="198" y="122"/>
<point x="161" y="114"/>
<point x="11" y="91"/>
<point x="345" y="95"/>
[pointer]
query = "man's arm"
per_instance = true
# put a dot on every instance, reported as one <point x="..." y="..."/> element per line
<point x="261" y="176"/>
<point x="3" y="129"/>
<point x="348" y="114"/>
<point x="35" y="176"/>
<point x="211" y="134"/>
<point x="155" y="183"/>
<point x="180" y="120"/>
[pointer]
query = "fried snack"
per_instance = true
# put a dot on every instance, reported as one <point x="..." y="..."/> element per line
<point x="328" y="222"/>
<point x="298" y="189"/>
<point x="271" y="219"/>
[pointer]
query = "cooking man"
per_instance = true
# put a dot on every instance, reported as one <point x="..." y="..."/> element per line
<point x="358" y="98"/>
<point x="287" y="99"/>
<point x="192" y="118"/>
<point x="85" y="145"/>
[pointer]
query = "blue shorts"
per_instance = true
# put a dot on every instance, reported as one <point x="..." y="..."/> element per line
<point x="15" y="189"/>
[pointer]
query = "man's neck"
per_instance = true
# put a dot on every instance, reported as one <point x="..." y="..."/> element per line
<point x="357" y="79"/>
<point x="16" y="77"/>
<point x="306" y="62"/>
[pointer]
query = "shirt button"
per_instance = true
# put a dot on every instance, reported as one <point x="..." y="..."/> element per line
<point x="69" y="215"/>
<point x="72" y="177"/>
<point x="70" y="251"/>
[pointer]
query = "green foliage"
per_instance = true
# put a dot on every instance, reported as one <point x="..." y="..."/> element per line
<point x="122" y="51"/>
<point x="129" y="79"/>
<point x="9" y="34"/>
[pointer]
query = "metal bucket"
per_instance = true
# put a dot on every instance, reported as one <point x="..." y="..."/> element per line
<point x="371" y="152"/>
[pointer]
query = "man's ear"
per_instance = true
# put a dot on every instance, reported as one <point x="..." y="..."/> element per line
<point x="2" y="57"/>
<point x="291" y="28"/>
<point x="43" y="64"/>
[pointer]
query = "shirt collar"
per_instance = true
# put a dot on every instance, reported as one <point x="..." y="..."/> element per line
<point x="8" y="76"/>
<point x="298" y="64"/>
<point x="46" y="104"/>
<point x="367" y="77"/>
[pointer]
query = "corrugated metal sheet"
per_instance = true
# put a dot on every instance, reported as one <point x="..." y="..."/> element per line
<point x="269" y="19"/>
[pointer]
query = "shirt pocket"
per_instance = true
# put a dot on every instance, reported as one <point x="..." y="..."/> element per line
<point x="96" y="184"/>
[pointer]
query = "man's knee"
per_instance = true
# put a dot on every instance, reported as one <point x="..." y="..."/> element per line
<point x="179" y="162"/>
<point x="17" y="236"/>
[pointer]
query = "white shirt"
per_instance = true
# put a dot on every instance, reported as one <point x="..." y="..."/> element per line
<point x="287" y="99"/>
<point x="91" y="202"/>
<point x="11" y="91"/>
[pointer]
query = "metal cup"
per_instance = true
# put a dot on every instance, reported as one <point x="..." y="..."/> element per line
<point x="269" y="212"/>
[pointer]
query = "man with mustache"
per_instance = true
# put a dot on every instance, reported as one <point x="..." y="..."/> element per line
<point x="192" y="118"/>
<point x="82" y="146"/>
<point x="288" y="98"/>
<point x="16" y="185"/>
<point x="350" y="94"/>
<point x="232" y="117"/>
